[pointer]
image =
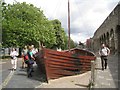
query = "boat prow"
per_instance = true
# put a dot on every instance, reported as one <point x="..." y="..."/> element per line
<point x="56" y="64"/>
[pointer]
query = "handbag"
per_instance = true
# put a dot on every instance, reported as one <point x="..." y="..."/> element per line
<point x="31" y="61"/>
<point x="26" y="57"/>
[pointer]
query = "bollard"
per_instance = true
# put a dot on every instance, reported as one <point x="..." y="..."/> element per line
<point x="92" y="82"/>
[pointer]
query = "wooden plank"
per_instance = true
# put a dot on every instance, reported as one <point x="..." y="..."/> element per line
<point x="62" y="67"/>
<point x="63" y="54"/>
<point x="59" y="64"/>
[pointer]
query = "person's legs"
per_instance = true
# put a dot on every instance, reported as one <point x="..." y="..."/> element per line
<point x="12" y="62"/>
<point x="28" y="67"/>
<point x="102" y="62"/>
<point x="15" y="64"/>
<point x="25" y="65"/>
<point x="105" y="63"/>
<point x="22" y="62"/>
<point x="29" y="70"/>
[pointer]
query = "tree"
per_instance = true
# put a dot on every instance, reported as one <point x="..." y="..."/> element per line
<point x="61" y="37"/>
<point x="24" y="24"/>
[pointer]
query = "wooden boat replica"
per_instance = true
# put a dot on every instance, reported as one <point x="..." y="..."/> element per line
<point x="55" y="64"/>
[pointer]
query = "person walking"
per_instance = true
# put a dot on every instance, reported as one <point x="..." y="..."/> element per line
<point x="14" y="55"/>
<point x="104" y="52"/>
<point x="34" y="50"/>
<point x="24" y="53"/>
<point x="30" y="62"/>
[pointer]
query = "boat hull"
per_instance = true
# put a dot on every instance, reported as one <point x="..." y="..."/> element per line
<point x="56" y="64"/>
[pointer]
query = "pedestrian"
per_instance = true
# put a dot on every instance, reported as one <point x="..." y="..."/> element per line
<point x="24" y="53"/>
<point x="14" y="55"/>
<point x="34" y="50"/>
<point x="30" y="62"/>
<point x="104" y="52"/>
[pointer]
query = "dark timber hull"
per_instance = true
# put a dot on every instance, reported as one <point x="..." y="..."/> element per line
<point x="56" y="64"/>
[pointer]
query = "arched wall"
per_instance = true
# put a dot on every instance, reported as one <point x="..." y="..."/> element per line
<point x="108" y="31"/>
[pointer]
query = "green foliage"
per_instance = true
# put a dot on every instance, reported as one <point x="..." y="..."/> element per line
<point x="61" y="37"/>
<point x="58" y="33"/>
<point x="25" y="24"/>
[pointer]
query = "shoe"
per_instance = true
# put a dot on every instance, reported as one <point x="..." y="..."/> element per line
<point x="30" y="75"/>
<point x="102" y="68"/>
<point x="12" y="69"/>
<point x="32" y="71"/>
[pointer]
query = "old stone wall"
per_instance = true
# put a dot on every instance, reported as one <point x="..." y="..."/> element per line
<point x="108" y="31"/>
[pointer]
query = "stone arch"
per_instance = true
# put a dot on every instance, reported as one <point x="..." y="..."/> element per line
<point x="118" y="38"/>
<point x="112" y="41"/>
<point x="100" y="40"/>
<point x="104" y="38"/>
<point x="107" y="39"/>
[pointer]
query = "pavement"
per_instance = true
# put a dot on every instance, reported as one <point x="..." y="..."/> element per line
<point x="18" y="78"/>
<point x="77" y="81"/>
<point x="107" y="78"/>
<point x="103" y="79"/>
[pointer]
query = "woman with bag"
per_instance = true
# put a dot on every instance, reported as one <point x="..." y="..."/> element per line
<point x="25" y="57"/>
<point x="30" y="62"/>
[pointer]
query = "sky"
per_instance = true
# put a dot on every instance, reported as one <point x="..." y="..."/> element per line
<point x="85" y="15"/>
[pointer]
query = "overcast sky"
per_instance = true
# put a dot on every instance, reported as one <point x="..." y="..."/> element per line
<point x="86" y="15"/>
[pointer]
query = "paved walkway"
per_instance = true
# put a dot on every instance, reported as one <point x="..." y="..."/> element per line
<point x="109" y="77"/>
<point x="104" y="79"/>
<point x="18" y="78"/>
<point x="77" y="81"/>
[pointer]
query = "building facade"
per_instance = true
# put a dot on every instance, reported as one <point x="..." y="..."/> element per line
<point x="109" y="32"/>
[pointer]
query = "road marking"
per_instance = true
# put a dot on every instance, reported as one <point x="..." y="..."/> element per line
<point x="7" y="79"/>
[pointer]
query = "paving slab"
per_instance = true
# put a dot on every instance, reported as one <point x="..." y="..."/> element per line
<point x="77" y="81"/>
<point x="107" y="78"/>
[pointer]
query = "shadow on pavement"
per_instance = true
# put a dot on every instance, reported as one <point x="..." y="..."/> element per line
<point x="10" y="69"/>
<point x="82" y="85"/>
<point x="113" y="67"/>
<point x="37" y="75"/>
<point x="98" y="68"/>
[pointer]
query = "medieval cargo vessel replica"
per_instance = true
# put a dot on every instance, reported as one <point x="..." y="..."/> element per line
<point x="56" y="64"/>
